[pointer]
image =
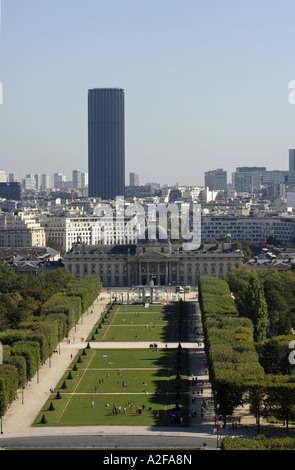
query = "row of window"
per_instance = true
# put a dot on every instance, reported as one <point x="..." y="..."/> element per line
<point x="205" y="268"/>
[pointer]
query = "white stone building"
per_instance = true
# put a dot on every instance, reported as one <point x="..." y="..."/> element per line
<point x="158" y="261"/>
<point x="64" y="232"/>
<point x="254" y="229"/>
<point x="20" y="229"/>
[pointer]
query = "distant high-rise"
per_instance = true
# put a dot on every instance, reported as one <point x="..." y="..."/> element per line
<point x="10" y="191"/>
<point x="45" y="181"/>
<point x="248" y="178"/>
<point x="3" y="177"/>
<point x="12" y="178"/>
<point x="106" y="142"/>
<point x="77" y="178"/>
<point x="59" y="180"/>
<point x="134" y="179"/>
<point x="84" y="180"/>
<point x="216" y="180"/>
<point x="291" y="159"/>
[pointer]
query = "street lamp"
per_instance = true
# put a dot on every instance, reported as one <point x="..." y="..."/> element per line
<point x="37" y="353"/>
<point x="216" y="418"/>
<point x="23" y="387"/>
<point x="1" y="417"/>
<point x="49" y="351"/>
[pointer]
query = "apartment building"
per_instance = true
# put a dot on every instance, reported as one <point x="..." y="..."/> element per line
<point x="20" y="229"/>
<point x="254" y="229"/>
<point x="64" y="232"/>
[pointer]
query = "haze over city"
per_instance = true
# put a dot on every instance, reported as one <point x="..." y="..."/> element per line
<point x="206" y="84"/>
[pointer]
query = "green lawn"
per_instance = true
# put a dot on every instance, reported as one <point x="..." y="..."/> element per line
<point x="137" y="323"/>
<point x="154" y="380"/>
<point x="131" y="318"/>
<point x="133" y="333"/>
<point x="77" y="410"/>
<point x="148" y="379"/>
<point x="134" y="358"/>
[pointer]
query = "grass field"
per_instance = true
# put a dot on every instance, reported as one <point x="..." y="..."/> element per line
<point x="78" y="411"/>
<point x="137" y="323"/>
<point x="144" y="387"/>
<point x="147" y="378"/>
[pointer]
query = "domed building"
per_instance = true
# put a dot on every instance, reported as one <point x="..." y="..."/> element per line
<point x="154" y="259"/>
<point x="153" y="234"/>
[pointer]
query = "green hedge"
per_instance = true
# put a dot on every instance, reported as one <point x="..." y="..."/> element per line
<point x="8" y="386"/>
<point x="25" y="349"/>
<point x="62" y="304"/>
<point x="231" y="354"/>
<point x="215" y="297"/>
<point x="87" y="288"/>
<point x="258" y="443"/>
<point x="235" y="367"/>
<point x="30" y="351"/>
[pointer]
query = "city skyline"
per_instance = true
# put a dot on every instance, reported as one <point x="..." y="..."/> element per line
<point x="207" y="85"/>
<point x="217" y="179"/>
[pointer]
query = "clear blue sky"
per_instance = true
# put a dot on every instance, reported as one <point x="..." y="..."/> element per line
<point x="206" y="83"/>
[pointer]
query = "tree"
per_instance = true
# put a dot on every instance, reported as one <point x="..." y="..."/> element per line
<point x="260" y="313"/>
<point x="281" y="397"/>
<point x="228" y="393"/>
<point x="256" y="396"/>
<point x="253" y="305"/>
<point x="280" y="301"/>
<point x="4" y="322"/>
<point x="273" y="241"/>
<point x="58" y="279"/>
<point x="8" y="279"/>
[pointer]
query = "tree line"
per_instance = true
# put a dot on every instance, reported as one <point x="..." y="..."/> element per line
<point x="276" y="302"/>
<point x="238" y="348"/>
<point x="35" y="315"/>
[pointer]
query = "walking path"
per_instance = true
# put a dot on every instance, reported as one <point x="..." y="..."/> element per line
<point x="22" y="412"/>
<point x="18" y="420"/>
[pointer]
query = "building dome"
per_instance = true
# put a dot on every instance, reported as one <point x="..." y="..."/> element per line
<point x="153" y="234"/>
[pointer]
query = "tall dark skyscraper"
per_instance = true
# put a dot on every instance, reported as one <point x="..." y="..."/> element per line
<point x="106" y="142"/>
<point x="291" y="159"/>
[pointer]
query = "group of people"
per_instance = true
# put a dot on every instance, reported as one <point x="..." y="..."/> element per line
<point x="118" y="409"/>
